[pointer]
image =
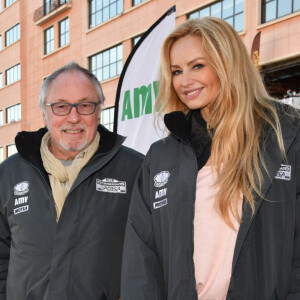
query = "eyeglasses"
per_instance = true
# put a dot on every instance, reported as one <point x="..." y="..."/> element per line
<point x="64" y="108"/>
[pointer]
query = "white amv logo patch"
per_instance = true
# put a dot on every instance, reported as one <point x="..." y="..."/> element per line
<point x="284" y="172"/>
<point x="21" y="188"/>
<point x="161" y="178"/>
<point x="110" y="185"/>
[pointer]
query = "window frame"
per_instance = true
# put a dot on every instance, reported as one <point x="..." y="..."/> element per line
<point x="100" y="66"/>
<point x="264" y="13"/>
<point x="8" y="3"/>
<point x="1" y="117"/>
<point x="66" y="34"/>
<point x="138" y="2"/>
<point x="8" y="147"/>
<point x="111" y="112"/>
<point x="136" y="39"/>
<point x="49" y="42"/>
<point x="13" y="113"/>
<point x="101" y="11"/>
<point x="15" y="68"/>
<point x="221" y="2"/>
<point x="15" y="31"/>
<point x="48" y="6"/>
<point x="62" y="2"/>
<point x="1" y="154"/>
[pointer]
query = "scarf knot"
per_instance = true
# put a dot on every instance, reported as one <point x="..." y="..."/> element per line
<point x="62" y="177"/>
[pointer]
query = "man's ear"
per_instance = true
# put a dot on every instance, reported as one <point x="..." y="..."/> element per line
<point x="44" y="119"/>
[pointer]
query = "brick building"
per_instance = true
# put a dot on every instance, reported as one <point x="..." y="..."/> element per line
<point x="39" y="36"/>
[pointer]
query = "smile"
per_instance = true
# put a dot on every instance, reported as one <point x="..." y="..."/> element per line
<point x="194" y="92"/>
<point x="73" y="131"/>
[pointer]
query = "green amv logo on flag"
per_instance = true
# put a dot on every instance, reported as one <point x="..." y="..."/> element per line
<point x="142" y="101"/>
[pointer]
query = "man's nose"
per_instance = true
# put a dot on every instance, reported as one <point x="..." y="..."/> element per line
<point x="73" y="116"/>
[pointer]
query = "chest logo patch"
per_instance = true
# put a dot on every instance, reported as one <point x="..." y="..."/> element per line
<point x="110" y="185"/>
<point x="21" y="201"/>
<point x="21" y="188"/>
<point x="21" y="209"/>
<point x="161" y="178"/>
<point x="284" y="172"/>
<point x="160" y="203"/>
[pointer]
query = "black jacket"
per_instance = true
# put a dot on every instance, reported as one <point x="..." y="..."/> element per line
<point x="158" y="250"/>
<point x="78" y="257"/>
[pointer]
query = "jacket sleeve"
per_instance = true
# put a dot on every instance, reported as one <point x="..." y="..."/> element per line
<point x="295" y="281"/>
<point x="4" y="254"/>
<point x="142" y="276"/>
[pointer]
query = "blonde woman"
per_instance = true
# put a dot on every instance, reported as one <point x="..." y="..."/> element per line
<point x="215" y="212"/>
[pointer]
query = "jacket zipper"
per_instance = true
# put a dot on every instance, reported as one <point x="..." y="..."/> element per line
<point x="192" y="240"/>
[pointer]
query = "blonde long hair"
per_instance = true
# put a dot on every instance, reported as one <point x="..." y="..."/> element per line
<point x="237" y="115"/>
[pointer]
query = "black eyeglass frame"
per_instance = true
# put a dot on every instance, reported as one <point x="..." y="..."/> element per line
<point x="71" y="105"/>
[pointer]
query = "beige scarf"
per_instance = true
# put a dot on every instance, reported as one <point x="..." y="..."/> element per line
<point x="62" y="177"/>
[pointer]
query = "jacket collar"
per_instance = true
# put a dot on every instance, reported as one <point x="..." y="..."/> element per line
<point x="28" y="145"/>
<point x="192" y="129"/>
<point x="179" y="124"/>
<point x="28" y="142"/>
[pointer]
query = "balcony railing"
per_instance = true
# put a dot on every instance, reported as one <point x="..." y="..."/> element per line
<point x="49" y="8"/>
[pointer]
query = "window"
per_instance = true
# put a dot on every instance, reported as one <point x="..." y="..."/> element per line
<point x="1" y="117"/>
<point x="13" y="113"/>
<point x="48" y="6"/>
<point x="1" y="154"/>
<point x="9" y="2"/>
<point x="61" y="2"/>
<point x="11" y="149"/>
<point x="49" y="40"/>
<point x="102" y="10"/>
<point x="1" y="81"/>
<point x="12" y="35"/>
<point x="274" y="9"/>
<point x="136" y="39"/>
<point x="13" y="74"/>
<point x="231" y="11"/>
<point x="107" y="118"/>
<point x="136" y="2"/>
<point x="107" y="64"/>
<point x="64" y="32"/>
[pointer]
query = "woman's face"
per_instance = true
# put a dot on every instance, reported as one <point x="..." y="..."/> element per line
<point x="193" y="79"/>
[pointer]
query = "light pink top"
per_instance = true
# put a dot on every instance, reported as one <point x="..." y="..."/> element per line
<point x="214" y="241"/>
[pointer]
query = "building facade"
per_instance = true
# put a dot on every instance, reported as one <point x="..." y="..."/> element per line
<point x="39" y="36"/>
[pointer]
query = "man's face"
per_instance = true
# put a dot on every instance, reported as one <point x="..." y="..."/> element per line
<point x="72" y="133"/>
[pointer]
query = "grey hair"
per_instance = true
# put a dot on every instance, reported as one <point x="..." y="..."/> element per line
<point x="70" y="67"/>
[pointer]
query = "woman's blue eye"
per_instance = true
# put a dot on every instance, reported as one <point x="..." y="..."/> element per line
<point x="198" y="66"/>
<point x="176" y="72"/>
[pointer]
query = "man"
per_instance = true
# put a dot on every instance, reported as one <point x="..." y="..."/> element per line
<point x="64" y="198"/>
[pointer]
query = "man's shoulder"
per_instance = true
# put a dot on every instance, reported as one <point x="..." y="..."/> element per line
<point x="11" y="161"/>
<point x="12" y="165"/>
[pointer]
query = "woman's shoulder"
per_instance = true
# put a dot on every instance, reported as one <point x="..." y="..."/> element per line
<point x="288" y="115"/>
<point x="164" y="143"/>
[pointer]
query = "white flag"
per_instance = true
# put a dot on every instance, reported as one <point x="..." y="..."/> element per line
<point x="138" y="87"/>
